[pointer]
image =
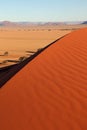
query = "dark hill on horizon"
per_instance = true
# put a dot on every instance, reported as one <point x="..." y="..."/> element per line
<point x="85" y="22"/>
<point x="27" y="23"/>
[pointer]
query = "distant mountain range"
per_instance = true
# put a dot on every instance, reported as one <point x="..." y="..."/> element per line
<point x="13" y="24"/>
<point x="8" y="23"/>
<point x="85" y="22"/>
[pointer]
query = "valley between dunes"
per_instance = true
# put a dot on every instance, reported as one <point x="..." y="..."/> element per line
<point x="19" y="41"/>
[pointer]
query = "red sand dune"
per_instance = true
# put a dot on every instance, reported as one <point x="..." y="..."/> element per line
<point x="50" y="92"/>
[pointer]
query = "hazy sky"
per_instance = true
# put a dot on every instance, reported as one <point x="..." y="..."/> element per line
<point x="43" y="10"/>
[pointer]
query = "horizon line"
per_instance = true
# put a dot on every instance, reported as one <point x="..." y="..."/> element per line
<point x="42" y="21"/>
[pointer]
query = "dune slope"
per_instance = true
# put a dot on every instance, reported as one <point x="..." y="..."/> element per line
<point x="50" y="92"/>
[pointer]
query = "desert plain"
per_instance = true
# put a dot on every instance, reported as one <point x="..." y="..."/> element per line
<point x="22" y="42"/>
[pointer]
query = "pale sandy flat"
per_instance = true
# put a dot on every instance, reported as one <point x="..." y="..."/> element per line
<point x="16" y="41"/>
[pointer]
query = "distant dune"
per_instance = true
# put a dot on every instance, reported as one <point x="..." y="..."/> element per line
<point x="50" y="92"/>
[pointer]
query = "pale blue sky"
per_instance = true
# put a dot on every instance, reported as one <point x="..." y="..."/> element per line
<point x="43" y="10"/>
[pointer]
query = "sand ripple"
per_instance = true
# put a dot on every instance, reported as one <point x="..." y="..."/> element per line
<point x="49" y="93"/>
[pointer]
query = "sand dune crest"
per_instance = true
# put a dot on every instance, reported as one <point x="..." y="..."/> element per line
<point x="50" y="92"/>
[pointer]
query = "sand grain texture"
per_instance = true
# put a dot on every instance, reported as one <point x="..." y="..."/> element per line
<point x="49" y="93"/>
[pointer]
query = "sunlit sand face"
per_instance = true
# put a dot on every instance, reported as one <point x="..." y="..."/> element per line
<point x="50" y="92"/>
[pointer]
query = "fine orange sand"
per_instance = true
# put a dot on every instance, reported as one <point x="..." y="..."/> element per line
<point x="49" y="93"/>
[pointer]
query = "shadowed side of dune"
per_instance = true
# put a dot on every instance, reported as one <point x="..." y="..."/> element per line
<point x="50" y="92"/>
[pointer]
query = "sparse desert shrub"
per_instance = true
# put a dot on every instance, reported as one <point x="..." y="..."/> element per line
<point x="49" y="29"/>
<point x="6" y="53"/>
<point x="22" y="58"/>
<point x="4" y="62"/>
<point x="14" y="61"/>
<point x="30" y="51"/>
<point x="39" y="49"/>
